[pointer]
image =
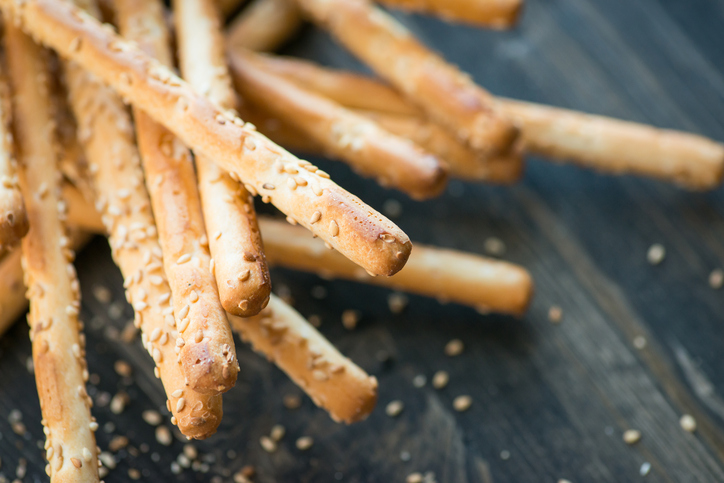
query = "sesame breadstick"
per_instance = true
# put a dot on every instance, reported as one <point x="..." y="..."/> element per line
<point x="332" y="381"/>
<point x="265" y="25"/>
<point x="497" y="14"/>
<point x="58" y="346"/>
<point x="13" y="219"/>
<point x="445" y="93"/>
<point x="448" y="275"/>
<point x="301" y="191"/>
<point x="104" y="126"/>
<point x="597" y="142"/>
<point x="234" y="239"/>
<point x="394" y="161"/>
<point x="207" y="355"/>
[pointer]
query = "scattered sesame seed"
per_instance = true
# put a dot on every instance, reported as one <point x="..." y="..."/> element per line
<point x="555" y="314"/>
<point x="152" y="417"/>
<point x="405" y="456"/>
<point x="397" y="302"/>
<point x="190" y="451"/>
<point x="163" y="435"/>
<point x="645" y="469"/>
<point x="292" y="401"/>
<point x="268" y="444"/>
<point x="277" y="432"/>
<point x="117" y="443"/>
<point x="414" y="478"/>
<point x="639" y="342"/>
<point x="102" y="294"/>
<point x="134" y="474"/>
<point x="304" y="443"/>
<point x="394" y="408"/>
<point x="656" y="254"/>
<point x="419" y="380"/>
<point x="118" y="403"/>
<point x="716" y="278"/>
<point x="440" y="379"/>
<point x="505" y="455"/>
<point x="454" y="348"/>
<point x="688" y="423"/>
<point x="350" y="319"/>
<point x="564" y="481"/>
<point x="462" y="403"/>
<point x="123" y="368"/>
<point x="315" y="320"/>
<point x="494" y="246"/>
<point x="631" y="436"/>
<point x="107" y="459"/>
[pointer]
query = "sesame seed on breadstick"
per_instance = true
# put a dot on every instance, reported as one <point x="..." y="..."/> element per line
<point x="265" y="25"/>
<point x="445" y="93"/>
<point x="448" y="275"/>
<point x="597" y="142"/>
<point x="497" y="14"/>
<point x="58" y="346"/>
<point x="300" y="190"/>
<point x="104" y="126"/>
<point x="332" y="381"/>
<point x="207" y="355"/>
<point x="13" y="219"/>
<point x="394" y="161"/>
<point x="234" y="239"/>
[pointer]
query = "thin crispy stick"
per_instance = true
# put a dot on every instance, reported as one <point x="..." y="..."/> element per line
<point x="207" y="354"/>
<point x="445" y="93"/>
<point x="596" y="142"/>
<point x="497" y="14"/>
<point x="13" y="218"/>
<point x="332" y="381"/>
<point x="104" y="126"/>
<point x="297" y="188"/>
<point x="58" y="346"/>
<point x="448" y="275"/>
<point x="234" y="239"/>
<point x="372" y="151"/>
<point x="265" y="25"/>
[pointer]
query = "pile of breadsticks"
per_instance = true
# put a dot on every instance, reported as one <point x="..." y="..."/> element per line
<point x="171" y="183"/>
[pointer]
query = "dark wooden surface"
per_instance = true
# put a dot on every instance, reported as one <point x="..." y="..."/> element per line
<point x="553" y="399"/>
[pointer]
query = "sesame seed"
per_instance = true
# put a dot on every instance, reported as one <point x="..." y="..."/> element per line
<point x="194" y="296"/>
<point x="645" y="469"/>
<point x="87" y="455"/>
<point x="419" y="381"/>
<point x="688" y="423"/>
<point x="440" y="379"/>
<point x="180" y="405"/>
<point x="494" y="247"/>
<point x="414" y="478"/>
<point x="183" y="312"/>
<point x="199" y="336"/>
<point x="76" y="462"/>
<point x="155" y="334"/>
<point x="183" y="259"/>
<point x="322" y="174"/>
<point x="716" y="278"/>
<point x="152" y="417"/>
<point x="350" y="319"/>
<point x="163" y="436"/>
<point x="656" y="254"/>
<point x="631" y="436"/>
<point x="394" y="408"/>
<point x="291" y="183"/>
<point x="639" y="342"/>
<point x="397" y="302"/>
<point x="277" y="432"/>
<point x="316" y="216"/>
<point x="555" y="314"/>
<point x="333" y="228"/>
<point x="454" y="348"/>
<point x="292" y="401"/>
<point x="304" y="443"/>
<point x="462" y="403"/>
<point x="93" y="426"/>
<point x="268" y="444"/>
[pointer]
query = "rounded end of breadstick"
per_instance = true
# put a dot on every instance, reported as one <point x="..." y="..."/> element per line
<point x="493" y="134"/>
<point x="246" y="294"/>
<point x="201" y="422"/>
<point x="432" y="181"/>
<point x="363" y="403"/>
<point x="208" y="373"/>
<point x="527" y="286"/>
<point x="14" y="223"/>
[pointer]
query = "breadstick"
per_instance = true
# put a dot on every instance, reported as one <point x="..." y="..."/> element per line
<point x="13" y="219"/>
<point x="297" y="188"/>
<point x="265" y="25"/>
<point x="172" y="186"/>
<point x="448" y="275"/>
<point x="234" y="239"/>
<point x="394" y="161"/>
<point x="332" y="381"/>
<point x="104" y="127"/>
<point x="440" y="89"/>
<point x="601" y="143"/>
<point x="497" y="14"/>
<point x="58" y="346"/>
<point x="227" y="7"/>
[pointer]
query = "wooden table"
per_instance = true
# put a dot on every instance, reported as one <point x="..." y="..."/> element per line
<point x="550" y="401"/>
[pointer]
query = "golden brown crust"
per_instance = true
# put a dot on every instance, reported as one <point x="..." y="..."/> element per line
<point x="301" y="190"/>
<point x="13" y="218"/>
<point x="448" y="275"/>
<point x="58" y="346"/>
<point x="618" y="147"/>
<point x="207" y="356"/>
<point x="227" y="7"/>
<point x="332" y="381"/>
<point x="445" y="93"/>
<point x="497" y="14"/>
<point x="597" y="142"/>
<point x="104" y="126"/>
<point x="265" y="25"/>
<point x="394" y="161"/>
<point x="234" y="238"/>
